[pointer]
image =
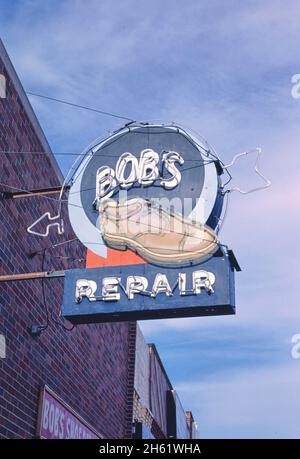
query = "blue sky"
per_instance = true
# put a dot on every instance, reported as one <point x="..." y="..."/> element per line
<point x="223" y="69"/>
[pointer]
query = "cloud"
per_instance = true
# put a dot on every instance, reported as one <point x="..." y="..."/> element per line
<point x="261" y="403"/>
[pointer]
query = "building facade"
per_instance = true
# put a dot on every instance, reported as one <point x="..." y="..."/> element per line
<point x="157" y="409"/>
<point x="91" y="378"/>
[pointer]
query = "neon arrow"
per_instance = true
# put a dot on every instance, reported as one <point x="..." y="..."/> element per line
<point x="59" y="225"/>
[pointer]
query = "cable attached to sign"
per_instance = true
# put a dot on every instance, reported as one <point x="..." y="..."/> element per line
<point x="80" y="162"/>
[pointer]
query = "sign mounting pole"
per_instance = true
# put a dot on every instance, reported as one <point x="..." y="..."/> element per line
<point x="29" y="276"/>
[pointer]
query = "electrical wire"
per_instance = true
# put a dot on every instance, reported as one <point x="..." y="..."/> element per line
<point x="137" y="181"/>
<point x="59" y="257"/>
<point x="57" y="322"/>
<point x="75" y="166"/>
<point x="210" y="152"/>
<point x="81" y="207"/>
<point x="85" y="189"/>
<point x="193" y="167"/>
<point x="39" y="251"/>
<point x="167" y="250"/>
<point x="61" y="101"/>
<point x="75" y="154"/>
<point x="223" y="218"/>
<point x="105" y="245"/>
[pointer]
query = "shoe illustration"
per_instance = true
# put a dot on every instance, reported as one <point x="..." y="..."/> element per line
<point x="159" y="236"/>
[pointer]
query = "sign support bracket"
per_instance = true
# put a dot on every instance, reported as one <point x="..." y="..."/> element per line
<point x="30" y="276"/>
<point x="28" y="194"/>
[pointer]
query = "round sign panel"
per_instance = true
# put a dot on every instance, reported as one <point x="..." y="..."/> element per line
<point x="151" y="189"/>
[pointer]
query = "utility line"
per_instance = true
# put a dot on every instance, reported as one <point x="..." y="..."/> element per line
<point x="61" y="101"/>
<point x="57" y="322"/>
<point x="78" y="154"/>
<point x="31" y="192"/>
<point x="130" y="121"/>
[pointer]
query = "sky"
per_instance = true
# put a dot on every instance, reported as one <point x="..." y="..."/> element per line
<point x="224" y="69"/>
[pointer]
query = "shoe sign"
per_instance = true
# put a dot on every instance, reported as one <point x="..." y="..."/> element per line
<point x="146" y="203"/>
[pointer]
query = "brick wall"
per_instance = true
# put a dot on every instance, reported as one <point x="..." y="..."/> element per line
<point x="90" y="368"/>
